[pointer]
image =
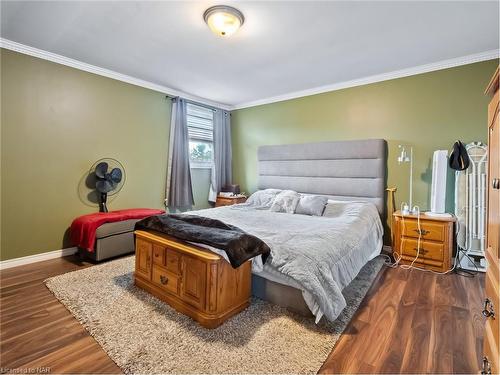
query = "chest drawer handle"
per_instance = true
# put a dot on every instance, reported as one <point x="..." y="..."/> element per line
<point x="486" y="368"/>
<point x="422" y="232"/>
<point x="422" y="250"/>
<point x="163" y="279"/>
<point x="488" y="311"/>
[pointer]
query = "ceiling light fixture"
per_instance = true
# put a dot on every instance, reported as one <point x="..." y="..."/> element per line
<point x="223" y="20"/>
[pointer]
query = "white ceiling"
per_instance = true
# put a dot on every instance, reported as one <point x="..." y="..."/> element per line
<point x="283" y="47"/>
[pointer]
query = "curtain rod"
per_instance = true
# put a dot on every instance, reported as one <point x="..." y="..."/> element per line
<point x="196" y="103"/>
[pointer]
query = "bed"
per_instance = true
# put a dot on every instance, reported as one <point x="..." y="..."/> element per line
<point x="352" y="174"/>
<point x="310" y="259"/>
<point x="343" y="170"/>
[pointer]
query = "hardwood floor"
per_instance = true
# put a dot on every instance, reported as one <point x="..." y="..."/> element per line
<point x="410" y="321"/>
<point x="36" y="330"/>
<point x="414" y="322"/>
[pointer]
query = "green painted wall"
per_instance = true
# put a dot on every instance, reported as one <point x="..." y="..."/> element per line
<point x="55" y="122"/>
<point x="428" y="111"/>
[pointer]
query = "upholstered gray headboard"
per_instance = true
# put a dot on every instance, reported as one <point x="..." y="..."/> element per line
<point x="343" y="170"/>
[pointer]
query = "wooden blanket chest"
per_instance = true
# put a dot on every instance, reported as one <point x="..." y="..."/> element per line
<point x="193" y="280"/>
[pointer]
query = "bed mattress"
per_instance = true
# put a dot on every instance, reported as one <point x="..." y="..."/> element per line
<point x="270" y="273"/>
<point x="319" y="256"/>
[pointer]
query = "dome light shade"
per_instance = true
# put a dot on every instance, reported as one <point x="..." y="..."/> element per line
<point x="223" y="20"/>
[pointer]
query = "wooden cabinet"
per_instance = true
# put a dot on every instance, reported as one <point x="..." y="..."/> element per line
<point x="491" y="308"/>
<point x="228" y="201"/>
<point x="192" y="280"/>
<point x="435" y="247"/>
<point x="194" y="277"/>
<point x="143" y="251"/>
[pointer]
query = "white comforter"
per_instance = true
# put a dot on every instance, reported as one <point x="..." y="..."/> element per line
<point x="322" y="254"/>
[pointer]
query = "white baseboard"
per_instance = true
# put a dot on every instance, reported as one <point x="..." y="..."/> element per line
<point x="9" y="263"/>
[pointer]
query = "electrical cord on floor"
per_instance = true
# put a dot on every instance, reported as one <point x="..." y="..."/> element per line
<point x="460" y="271"/>
<point x="397" y="256"/>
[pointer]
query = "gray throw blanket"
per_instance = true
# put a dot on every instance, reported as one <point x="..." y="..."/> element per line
<point x="238" y="245"/>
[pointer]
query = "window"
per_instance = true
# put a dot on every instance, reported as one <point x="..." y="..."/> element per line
<point x="200" y="122"/>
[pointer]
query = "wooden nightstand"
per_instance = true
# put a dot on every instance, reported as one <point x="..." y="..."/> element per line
<point x="436" y="241"/>
<point x="228" y="201"/>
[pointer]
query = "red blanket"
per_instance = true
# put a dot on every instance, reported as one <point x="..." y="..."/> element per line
<point x="83" y="228"/>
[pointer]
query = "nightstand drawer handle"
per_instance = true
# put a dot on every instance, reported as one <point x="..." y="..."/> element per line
<point x="488" y="311"/>
<point x="163" y="279"/>
<point x="422" y="250"/>
<point x="422" y="232"/>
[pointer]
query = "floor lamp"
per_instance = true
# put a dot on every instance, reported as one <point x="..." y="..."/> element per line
<point x="404" y="157"/>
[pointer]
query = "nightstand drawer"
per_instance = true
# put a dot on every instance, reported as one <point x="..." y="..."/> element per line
<point x="430" y="231"/>
<point x="165" y="279"/>
<point x="428" y="250"/>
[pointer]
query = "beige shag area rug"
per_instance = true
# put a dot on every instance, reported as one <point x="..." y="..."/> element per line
<point x="144" y="335"/>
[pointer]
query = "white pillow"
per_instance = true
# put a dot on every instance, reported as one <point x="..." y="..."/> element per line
<point x="286" y="201"/>
<point x="336" y="208"/>
<point x="313" y="205"/>
<point x="263" y="198"/>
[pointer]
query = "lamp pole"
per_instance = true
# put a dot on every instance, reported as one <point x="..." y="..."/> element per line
<point x="411" y="179"/>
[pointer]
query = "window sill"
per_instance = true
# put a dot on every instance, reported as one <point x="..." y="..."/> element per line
<point x="201" y="166"/>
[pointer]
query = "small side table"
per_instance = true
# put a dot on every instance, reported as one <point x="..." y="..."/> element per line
<point x="228" y="201"/>
<point x="436" y="240"/>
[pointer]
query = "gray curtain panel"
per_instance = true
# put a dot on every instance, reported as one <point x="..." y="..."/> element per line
<point x="222" y="170"/>
<point x="179" y="188"/>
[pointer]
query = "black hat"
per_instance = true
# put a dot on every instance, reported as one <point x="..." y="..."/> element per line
<point x="459" y="158"/>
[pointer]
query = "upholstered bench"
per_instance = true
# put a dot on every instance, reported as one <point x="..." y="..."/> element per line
<point x="113" y="239"/>
<point x="107" y="235"/>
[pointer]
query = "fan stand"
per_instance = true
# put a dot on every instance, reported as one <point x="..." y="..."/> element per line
<point x="102" y="202"/>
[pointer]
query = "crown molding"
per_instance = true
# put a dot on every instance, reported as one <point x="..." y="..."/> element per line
<point x="59" y="59"/>
<point x="444" y="64"/>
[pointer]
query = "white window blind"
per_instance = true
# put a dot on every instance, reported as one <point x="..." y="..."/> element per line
<point x="200" y="122"/>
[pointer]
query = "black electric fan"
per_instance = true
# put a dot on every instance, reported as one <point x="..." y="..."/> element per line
<point x="109" y="178"/>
